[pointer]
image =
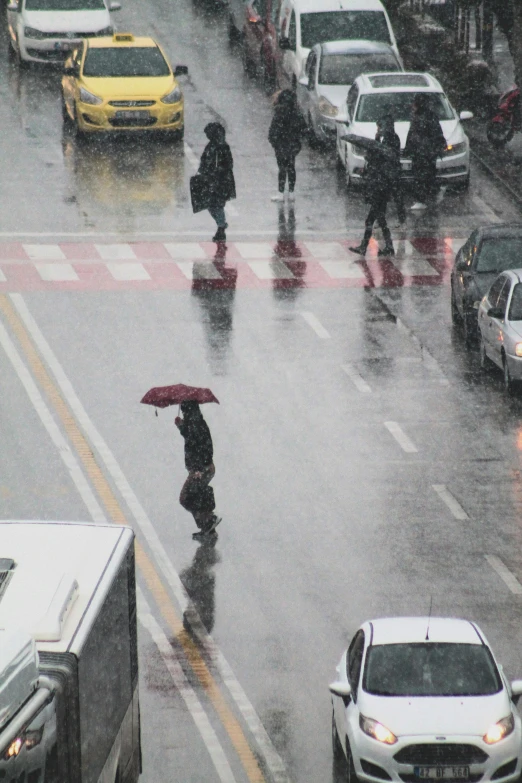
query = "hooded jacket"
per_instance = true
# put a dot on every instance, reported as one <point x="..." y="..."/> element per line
<point x="217" y="166"/>
<point x="425" y="140"/>
<point x="287" y="125"/>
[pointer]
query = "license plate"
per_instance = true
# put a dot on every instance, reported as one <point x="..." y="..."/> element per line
<point x="63" y="46"/>
<point x="441" y="773"/>
<point x="132" y="115"/>
<point x="406" y="165"/>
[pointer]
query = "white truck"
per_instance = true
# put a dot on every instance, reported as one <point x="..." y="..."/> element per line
<point x="69" y="708"/>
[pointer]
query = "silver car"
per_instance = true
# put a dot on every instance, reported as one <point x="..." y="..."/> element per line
<point x="331" y="68"/>
<point x="500" y="325"/>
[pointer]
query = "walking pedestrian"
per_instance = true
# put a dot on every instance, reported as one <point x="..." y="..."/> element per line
<point x="196" y="496"/>
<point x="387" y="136"/>
<point x="425" y="143"/>
<point x="378" y="186"/>
<point x="286" y="130"/>
<point x="216" y="166"/>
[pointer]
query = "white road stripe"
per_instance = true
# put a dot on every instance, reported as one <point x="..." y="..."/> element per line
<point x="357" y="380"/>
<point x="185" y="250"/>
<point x="115" y="252"/>
<point x="400" y="436"/>
<point x="316" y="325"/>
<point x="50" y="425"/>
<point x="254" y="250"/>
<point x="199" y="270"/>
<point x="44" y="252"/>
<point x="505" y="574"/>
<point x="486" y="210"/>
<point x="271" y="270"/>
<point x="267" y="750"/>
<point x="53" y="273"/>
<point x="126" y="271"/>
<point x="186" y="691"/>
<point x="451" y="502"/>
<point x="329" y="251"/>
<point x="343" y="270"/>
<point x="3" y="278"/>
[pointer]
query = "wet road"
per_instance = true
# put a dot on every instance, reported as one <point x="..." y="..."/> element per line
<point x="364" y="463"/>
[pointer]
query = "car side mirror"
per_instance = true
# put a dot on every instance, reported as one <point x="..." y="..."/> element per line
<point x="303" y="81"/>
<point x="466" y="115"/>
<point x="284" y="43"/>
<point x="114" y="6"/>
<point x="498" y="312"/>
<point x="181" y="70"/>
<point x="341" y="689"/>
<point x="343" y="119"/>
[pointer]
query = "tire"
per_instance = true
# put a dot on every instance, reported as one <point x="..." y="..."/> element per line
<point x="500" y="133"/>
<point x="177" y="136"/>
<point x="65" y="114"/>
<point x="456" y="317"/>
<point x="337" y="748"/>
<point x="233" y="32"/>
<point x="510" y="386"/>
<point x="485" y="361"/>
<point x="347" y="179"/>
<point x="248" y="65"/>
<point x="313" y="141"/>
<point x="269" y="78"/>
<point x="470" y="329"/>
<point x="351" y="777"/>
<point x="463" y="187"/>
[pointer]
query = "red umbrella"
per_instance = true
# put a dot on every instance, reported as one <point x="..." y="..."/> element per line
<point x="163" y="396"/>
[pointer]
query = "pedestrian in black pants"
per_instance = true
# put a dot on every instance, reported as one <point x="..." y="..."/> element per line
<point x="425" y="143"/>
<point x="386" y="134"/>
<point x="217" y="167"/>
<point x="378" y="186"/>
<point x="285" y="133"/>
<point x="196" y="496"/>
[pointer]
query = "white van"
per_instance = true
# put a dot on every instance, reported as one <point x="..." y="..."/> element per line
<point x="304" y="23"/>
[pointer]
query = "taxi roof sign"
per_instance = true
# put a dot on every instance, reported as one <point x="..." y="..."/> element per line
<point x="122" y="37"/>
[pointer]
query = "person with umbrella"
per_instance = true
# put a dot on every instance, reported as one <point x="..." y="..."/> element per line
<point x="217" y="171"/>
<point x="424" y="144"/>
<point x="284" y="135"/>
<point x="378" y="187"/>
<point x="196" y="496"/>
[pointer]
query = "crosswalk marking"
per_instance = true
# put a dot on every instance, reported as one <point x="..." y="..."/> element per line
<point x="115" y="252"/>
<point x="44" y="252"/>
<point x="414" y="267"/>
<point x="185" y="250"/>
<point x="271" y="270"/>
<point x="3" y="278"/>
<point x="343" y="270"/>
<point x="254" y="250"/>
<point x="56" y="272"/>
<point x="199" y="270"/>
<point x="128" y="271"/>
<point x="328" y="251"/>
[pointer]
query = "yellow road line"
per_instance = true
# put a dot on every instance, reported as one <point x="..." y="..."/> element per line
<point x="145" y="565"/>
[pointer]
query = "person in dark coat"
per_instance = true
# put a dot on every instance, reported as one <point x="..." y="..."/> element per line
<point x="196" y="496"/>
<point x="217" y="166"/>
<point x="424" y="144"/>
<point x="386" y="134"/>
<point x="379" y="173"/>
<point x="286" y="130"/>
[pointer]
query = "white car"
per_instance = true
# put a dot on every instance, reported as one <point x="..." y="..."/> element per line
<point x="330" y="71"/>
<point x="373" y="95"/>
<point x="500" y="327"/>
<point x="47" y="30"/>
<point x="420" y="699"/>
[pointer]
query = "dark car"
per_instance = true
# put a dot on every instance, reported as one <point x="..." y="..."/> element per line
<point x="488" y="251"/>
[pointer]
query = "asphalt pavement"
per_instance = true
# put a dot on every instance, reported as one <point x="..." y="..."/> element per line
<point x="365" y="465"/>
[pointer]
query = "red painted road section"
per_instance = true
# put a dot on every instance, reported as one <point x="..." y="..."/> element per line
<point x="205" y="266"/>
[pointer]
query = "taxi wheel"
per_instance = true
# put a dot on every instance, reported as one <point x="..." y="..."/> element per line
<point x="510" y="385"/>
<point x="65" y="114"/>
<point x="176" y="136"/>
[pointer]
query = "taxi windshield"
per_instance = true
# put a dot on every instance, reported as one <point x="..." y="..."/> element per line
<point x="65" y="5"/>
<point x="125" y="61"/>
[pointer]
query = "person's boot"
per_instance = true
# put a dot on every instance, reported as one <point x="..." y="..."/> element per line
<point x="387" y="250"/>
<point x="360" y="249"/>
<point x="220" y="235"/>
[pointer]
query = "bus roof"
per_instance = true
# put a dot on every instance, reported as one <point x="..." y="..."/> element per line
<point x="56" y="575"/>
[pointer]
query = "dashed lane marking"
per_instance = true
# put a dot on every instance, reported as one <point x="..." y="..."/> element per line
<point x="505" y="574"/>
<point x="486" y="210"/>
<point x="316" y="325"/>
<point x="451" y="502"/>
<point x="357" y="379"/>
<point x="400" y="436"/>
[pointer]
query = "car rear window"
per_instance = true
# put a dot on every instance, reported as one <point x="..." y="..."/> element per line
<point x="115" y="61"/>
<point x="323" y="26"/>
<point x="345" y="68"/>
<point x="374" y="106"/>
<point x="430" y="669"/>
<point x="499" y="254"/>
<point x="65" y="5"/>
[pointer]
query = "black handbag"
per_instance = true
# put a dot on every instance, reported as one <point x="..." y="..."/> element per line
<point x="200" y="192"/>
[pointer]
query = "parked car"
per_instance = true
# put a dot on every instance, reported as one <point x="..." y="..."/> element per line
<point x="373" y="95"/>
<point x="488" y="251"/>
<point x="500" y="325"/>
<point x="419" y="698"/>
<point x="304" y="23"/>
<point x="48" y="30"/>
<point x="258" y="34"/>
<point x="330" y="70"/>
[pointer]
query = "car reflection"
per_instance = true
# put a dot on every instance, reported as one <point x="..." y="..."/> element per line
<point x="141" y="175"/>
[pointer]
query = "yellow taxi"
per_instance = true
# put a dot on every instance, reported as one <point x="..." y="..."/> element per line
<point x="122" y="83"/>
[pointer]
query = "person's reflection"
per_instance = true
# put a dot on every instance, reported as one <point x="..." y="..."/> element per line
<point x="200" y="582"/>
<point x="287" y="255"/>
<point x="214" y="285"/>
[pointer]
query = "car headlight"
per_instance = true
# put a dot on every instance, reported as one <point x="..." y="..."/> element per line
<point x="88" y="97"/>
<point x="518" y="349"/>
<point x="30" y="32"/>
<point x="377" y="731"/>
<point x="499" y="730"/>
<point x="174" y="96"/>
<point x="455" y="149"/>
<point x="327" y="108"/>
<point x="105" y="31"/>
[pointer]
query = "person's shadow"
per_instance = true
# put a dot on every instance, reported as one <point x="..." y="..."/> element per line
<point x="287" y="252"/>
<point x="199" y="581"/>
